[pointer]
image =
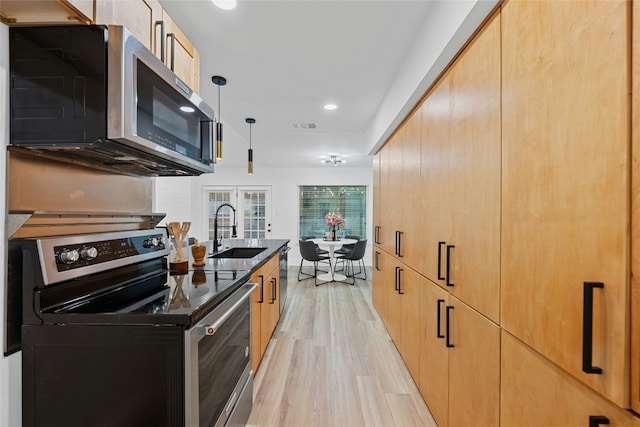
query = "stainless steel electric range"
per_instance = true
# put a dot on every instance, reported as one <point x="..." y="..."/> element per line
<point x="110" y="337"/>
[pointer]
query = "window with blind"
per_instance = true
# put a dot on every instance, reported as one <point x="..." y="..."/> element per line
<point x="349" y="201"/>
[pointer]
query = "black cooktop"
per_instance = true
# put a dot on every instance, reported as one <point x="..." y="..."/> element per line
<point x="164" y="298"/>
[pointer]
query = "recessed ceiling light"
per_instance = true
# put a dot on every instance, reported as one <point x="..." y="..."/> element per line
<point x="330" y="107"/>
<point x="187" y="109"/>
<point x="225" y="4"/>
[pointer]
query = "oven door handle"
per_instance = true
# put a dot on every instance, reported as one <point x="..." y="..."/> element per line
<point x="247" y="289"/>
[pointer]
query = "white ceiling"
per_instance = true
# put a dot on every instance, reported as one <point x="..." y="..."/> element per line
<point x="283" y="60"/>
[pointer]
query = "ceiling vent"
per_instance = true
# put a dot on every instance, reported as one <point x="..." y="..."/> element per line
<point x="304" y="125"/>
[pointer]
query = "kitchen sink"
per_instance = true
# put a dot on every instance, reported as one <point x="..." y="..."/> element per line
<point x="238" y="253"/>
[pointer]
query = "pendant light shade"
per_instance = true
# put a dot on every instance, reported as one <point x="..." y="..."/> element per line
<point x="250" y="163"/>
<point x="219" y="81"/>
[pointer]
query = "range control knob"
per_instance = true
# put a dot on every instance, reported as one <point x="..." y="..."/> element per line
<point x="162" y="241"/>
<point x="68" y="256"/>
<point x="88" y="253"/>
<point x="150" y="243"/>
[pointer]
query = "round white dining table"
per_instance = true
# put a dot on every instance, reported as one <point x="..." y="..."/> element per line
<point x="331" y="246"/>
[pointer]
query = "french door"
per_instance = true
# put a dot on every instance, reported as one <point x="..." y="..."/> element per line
<point x="253" y="211"/>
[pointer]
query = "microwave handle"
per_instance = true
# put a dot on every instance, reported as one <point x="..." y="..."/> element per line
<point x="161" y="24"/>
<point x="210" y="157"/>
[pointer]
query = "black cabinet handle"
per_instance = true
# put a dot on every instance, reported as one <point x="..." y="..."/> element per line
<point x="377" y="260"/>
<point x="596" y="420"/>
<point x="161" y="24"/>
<point x="173" y="50"/>
<point x="397" y="279"/>
<point x="273" y="290"/>
<point x="261" y="289"/>
<point x="440" y="245"/>
<point x="400" y="281"/>
<point x="448" y="331"/>
<point x="376" y="234"/>
<point x="440" y="302"/>
<point x="587" y="328"/>
<point x="447" y="280"/>
<point x="399" y="243"/>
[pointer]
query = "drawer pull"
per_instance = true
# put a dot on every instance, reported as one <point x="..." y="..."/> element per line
<point x="449" y="343"/>
<point x="596" y="420"/>
<point x="440" y="302"/>
<point x="587" y="328"/>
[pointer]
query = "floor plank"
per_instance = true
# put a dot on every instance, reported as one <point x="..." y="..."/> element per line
<point x="331" y="362"/>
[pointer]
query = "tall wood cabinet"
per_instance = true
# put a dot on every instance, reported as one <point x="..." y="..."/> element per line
<point x="530" y="218"/>
<point x="565" y="186"/>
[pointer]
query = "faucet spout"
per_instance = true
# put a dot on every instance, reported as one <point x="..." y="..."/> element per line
<point x="234" y="233"/>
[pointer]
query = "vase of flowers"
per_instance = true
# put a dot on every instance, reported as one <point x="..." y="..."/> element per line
<point x="333" y="221"/>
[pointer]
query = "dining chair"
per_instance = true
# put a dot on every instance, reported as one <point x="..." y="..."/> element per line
<point x="357" y="254"/>
<point x="309" y="253"/>
<point x="346" y="249"/>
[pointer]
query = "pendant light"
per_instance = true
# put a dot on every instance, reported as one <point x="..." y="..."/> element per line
<point x="219" y="81"/>
<point x="250" y="164"/>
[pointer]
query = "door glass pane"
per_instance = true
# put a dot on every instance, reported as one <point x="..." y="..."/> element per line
<point x="225" y="218"/>
<point x="254" y="214"/>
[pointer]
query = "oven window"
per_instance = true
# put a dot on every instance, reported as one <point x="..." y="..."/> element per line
<point x="165" y="116"/>
<point x="222" y="358"/>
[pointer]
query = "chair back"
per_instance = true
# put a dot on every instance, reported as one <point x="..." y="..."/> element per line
<point x="307" y="237"/>
<point x="358" y="251"/>
<point x="308" y="250"/>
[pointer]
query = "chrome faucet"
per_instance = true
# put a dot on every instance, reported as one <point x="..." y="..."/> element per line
<point x="234" y="232"/>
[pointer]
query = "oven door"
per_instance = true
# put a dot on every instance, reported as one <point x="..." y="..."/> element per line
<point x="218" y="372"/>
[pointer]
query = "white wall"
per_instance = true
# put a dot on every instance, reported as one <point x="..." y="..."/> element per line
<point x="10" y="367"/>
<point x="181" y="199"/>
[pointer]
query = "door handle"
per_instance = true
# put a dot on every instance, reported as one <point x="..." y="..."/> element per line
<point x="587" y="328"/>
<point x="440" y="302"/>
<point x="173" y="51"/>
<point x="273" y="291"/>
<point x="161" y="24"/>
<point x="448" y="271"/>
<point x="400" y="281"/>
<point x="449" y="344"/>
<point x="440" y="245"/>
<point x="377" y="260"/>
<point x="596" y="420"/>
<point x="261" y="289"/>
<point x="399" y="243"/>
<point x="397" y="280"/>
<point x="376" y="234"/>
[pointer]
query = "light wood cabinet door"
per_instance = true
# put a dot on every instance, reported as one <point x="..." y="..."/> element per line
<point x="138" y="16"/>
<point x="435" y="225"/>
<point x="408" y="295"/>
<point x="535" y="392"/>
<point x="395" y="200"/>
<point x="565" y="186"/>
<point x="409" y="237"/>
<point x="474" y="172"/>
<point x="376" y="199"/>
<point x="21" y="12"/>
<point x="434" y="354"/>
<point x="474" y="368"/>
<point x="385" y="235"/>
<point x="182" y="57"/>
<point x="379" y="283"/>
<point x="258" y="301"/>
<point x="635" y="214"/>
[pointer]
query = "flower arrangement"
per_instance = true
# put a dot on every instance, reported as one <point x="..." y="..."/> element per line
<point x="333" y="220"/>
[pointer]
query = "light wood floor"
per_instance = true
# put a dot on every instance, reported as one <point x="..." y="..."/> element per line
<point x="331" y="362"/>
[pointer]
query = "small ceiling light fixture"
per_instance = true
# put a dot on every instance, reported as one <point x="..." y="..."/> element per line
<point x="333" y="160"/>
<point x="225" y="4"/>
<point x="330" y="107"/>
<point x="219" y="81"/>
<point x="250" y="164"/>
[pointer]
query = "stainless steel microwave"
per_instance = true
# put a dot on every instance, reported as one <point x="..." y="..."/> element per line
<point x="96" y="96"/>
